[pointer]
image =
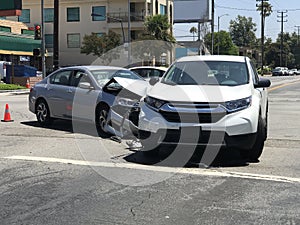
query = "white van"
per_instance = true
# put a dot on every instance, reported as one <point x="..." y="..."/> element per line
<point x="3" y="69"/>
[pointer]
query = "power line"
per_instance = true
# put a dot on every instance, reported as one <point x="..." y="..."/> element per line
<point x="231" y="8"/>
<point x="250" y="10"/>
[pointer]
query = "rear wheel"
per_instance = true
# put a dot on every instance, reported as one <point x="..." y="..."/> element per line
<point x="43" y="113"/>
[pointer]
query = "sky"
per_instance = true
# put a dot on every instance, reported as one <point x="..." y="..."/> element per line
<point x="248" y="8"/>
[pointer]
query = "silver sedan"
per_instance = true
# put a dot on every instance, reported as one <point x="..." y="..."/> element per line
<point x="99" y="94"/>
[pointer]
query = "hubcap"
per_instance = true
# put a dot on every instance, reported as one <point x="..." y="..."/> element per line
<point x="103" y="119"/>
<point x="41" y="112"/>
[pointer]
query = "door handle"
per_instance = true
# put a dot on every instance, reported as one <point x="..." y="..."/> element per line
<point x="69" y="91"/>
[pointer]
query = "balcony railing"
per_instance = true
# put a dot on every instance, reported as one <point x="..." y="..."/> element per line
<point x="134" y="16"/>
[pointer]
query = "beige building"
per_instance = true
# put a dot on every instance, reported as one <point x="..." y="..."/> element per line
<point x="76" y="21"/>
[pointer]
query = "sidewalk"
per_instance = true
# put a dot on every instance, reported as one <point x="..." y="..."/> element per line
<point x="16" y="92"/>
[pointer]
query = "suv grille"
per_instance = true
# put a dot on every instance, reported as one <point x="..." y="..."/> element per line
<point x="180" y="112"/>
<point x="192" y="118"/>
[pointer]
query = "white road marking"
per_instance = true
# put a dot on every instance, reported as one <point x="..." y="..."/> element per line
<point x="192" y="171"/>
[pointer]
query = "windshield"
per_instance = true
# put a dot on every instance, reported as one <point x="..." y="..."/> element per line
<point x="103" y="76"/>
<point x="207" y="73"/>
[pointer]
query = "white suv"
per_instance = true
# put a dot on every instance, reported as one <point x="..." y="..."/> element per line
<point x="207" y="100"/>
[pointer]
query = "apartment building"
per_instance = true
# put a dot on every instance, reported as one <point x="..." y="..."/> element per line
<point x="78" y="18"/>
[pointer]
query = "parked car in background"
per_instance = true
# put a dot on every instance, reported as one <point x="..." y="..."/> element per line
<point x="293" y="71"/>
<point x="280" y="71"/>
<point x="3" y="65"/>
<point x="99" y="94"/>
<point x="191" y="104"/>
<point x="149" y="71"/>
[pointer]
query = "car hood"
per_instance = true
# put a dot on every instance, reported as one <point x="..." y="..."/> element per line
<point x="138" y="87"/>
<point x="199" y="93"/>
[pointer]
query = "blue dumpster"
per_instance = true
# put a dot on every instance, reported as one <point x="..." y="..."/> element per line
<point x="20" y="71"/>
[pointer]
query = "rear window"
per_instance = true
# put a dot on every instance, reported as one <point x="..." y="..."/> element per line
<point x="207" y="73"/>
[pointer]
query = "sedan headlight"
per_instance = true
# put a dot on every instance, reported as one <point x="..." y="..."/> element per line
<point x="154" y="103"/>
<point x="237" y="105"/>
<point x="125" y="102"/>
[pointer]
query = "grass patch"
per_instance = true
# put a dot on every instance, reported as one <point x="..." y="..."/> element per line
<point x="11" y="87"/>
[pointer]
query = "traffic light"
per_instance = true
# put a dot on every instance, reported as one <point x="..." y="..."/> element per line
<point x="36" y="52"/>
<point x="37" y="32"/>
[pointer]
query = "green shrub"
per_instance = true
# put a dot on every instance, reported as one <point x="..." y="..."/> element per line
<point x="11" y="87"/>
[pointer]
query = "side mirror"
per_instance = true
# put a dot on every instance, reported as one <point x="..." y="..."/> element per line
<point x="86" y="85"/>
<point x="263" y="83"/>
<point x="153" y="80"/>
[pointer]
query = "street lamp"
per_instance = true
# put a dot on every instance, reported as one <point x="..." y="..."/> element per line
<point x="219" y="31"/>
<point x="113" y="18"/>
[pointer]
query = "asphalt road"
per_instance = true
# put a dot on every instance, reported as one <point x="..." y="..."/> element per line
<point x="55" y="176"/>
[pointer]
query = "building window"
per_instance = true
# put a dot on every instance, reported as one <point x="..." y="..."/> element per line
<point x="73" y="40"/>
<point x="73" y="14"/>
<point x="99" y="34"/>
<point x="163" y="9"/>
<point x="5" y="29"/>
<point x="49" y="40"/>
<point x="133" y="35"/>
<point x="25" y="17"/>
<point x="156" y="7"/>
<point x="49" y="15"/>
<point x="100" y="13"/>
<point x="28" y="32"/>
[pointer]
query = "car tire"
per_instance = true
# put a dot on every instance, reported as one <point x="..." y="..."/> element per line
<point x="102" y="119"/>
<point x="255" y="152"/>
<point x="42" y="113"/>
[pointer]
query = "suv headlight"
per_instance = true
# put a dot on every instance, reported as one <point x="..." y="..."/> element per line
<point x="237" y="105"/>
<point x="154" y="103"/>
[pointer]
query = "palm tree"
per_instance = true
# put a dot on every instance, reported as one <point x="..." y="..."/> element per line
<point x="267" y="10"/>
<point x="193" y="31"/>
<point x="158" y="26"/>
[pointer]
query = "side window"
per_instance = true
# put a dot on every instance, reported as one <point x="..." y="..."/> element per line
<point x="79" y="77"/>
<point x="61" y="78"/>
<point x="156" y="73"/>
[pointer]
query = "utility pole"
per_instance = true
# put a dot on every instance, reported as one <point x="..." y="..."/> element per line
<point x="129" y="35"/>
<point x="43" y="40"/>
<point x="281" y="16"/>
<point x="298" y="27"/>
<point x="212" y="25"/>
<point x="56" y="35"/>
<point x="263" y="15"/>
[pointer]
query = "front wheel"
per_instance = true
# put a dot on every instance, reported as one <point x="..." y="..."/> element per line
<point x="43" y="113"/>
<point x="102" y="120"/>
<point x="255" y="152"/>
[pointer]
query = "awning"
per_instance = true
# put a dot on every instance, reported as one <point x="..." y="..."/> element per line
<point x="18" y="44"/>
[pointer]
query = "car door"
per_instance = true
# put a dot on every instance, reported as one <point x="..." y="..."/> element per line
<point x="60" y="94"/>
<point x="85" y="97"/>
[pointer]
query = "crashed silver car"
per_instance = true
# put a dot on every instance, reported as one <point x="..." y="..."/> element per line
<point x="99" y="94"/>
